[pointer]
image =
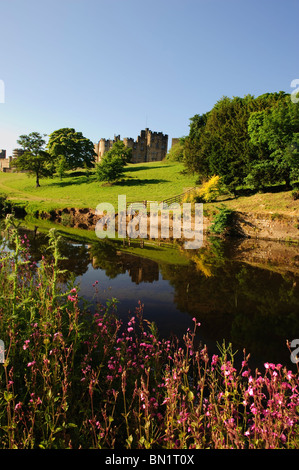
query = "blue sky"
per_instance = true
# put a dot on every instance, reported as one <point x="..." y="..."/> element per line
<point x="108" y="67"/>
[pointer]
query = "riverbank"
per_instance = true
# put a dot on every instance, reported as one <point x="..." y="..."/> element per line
<point x="280" y="226"/>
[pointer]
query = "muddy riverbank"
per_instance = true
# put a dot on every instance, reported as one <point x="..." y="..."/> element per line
<point x="263" y="226"/>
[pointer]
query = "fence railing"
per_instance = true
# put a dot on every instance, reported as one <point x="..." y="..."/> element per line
<point x="169" y="200"/>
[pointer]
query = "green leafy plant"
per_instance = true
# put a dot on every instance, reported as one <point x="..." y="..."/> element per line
<point x="223" y="221"/>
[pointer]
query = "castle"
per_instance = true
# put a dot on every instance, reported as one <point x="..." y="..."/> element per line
<point x="5" y="163"/>
<point x="149" y="146"/>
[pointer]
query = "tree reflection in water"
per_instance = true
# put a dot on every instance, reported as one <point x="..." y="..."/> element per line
<point x="256" y="307"/>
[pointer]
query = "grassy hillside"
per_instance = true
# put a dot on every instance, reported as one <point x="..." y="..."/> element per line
<point x="145" y="181"/>
<point x="272" y="203"/>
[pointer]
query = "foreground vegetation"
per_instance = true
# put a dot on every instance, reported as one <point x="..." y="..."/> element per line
<point x="72" y="380"/>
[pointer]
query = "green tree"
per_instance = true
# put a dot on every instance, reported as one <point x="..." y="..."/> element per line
<point x="112" y="164"/>
<point x="61" y="166"/>
<point x="195" y="158"/>
<point x="262" y="174"/>
<point x="120" y="150"/>
<point x="176" y="152"/>
<point x="35" y="160"/>
<point x="109" y="169"/>
<point x="219" y="143"/>
<point x="77" y="149"/>
<point x="277" y="129"/>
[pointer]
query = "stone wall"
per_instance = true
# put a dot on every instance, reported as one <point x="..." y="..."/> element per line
<point x="148" y="147"/>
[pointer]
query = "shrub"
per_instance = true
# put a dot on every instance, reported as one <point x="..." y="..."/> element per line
<point x="223" y="221"/>
<point x="109" y="169"/>
<point x="211" y="189"/>
<point x="3" y="203"/>
<point x="262" y="174"/>
<point x="207" y="192"/>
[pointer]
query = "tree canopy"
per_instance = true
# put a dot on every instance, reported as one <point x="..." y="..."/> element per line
<point x="246" y="136"/>
<point x="112" y="164"/>
<point x="277" y="128"/>
<point x="35" y="160"/>
<point x="77" y="150"/>
<point x="120" y="150"/>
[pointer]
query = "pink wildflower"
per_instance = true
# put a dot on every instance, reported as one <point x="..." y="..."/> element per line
<point x="30" y="364"/>
<point x="25" y="345"/>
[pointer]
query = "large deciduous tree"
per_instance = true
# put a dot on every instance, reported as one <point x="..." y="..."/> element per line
<point x="35" y="160"/>
<point x="277" y="129"/>
<point x="219" y="143"/>
<point x="77" y="150"/>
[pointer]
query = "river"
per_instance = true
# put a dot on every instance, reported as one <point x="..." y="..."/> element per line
<point x="243" y="291"/>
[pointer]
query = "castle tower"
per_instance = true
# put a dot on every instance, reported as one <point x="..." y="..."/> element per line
<point x="148" y="147"/>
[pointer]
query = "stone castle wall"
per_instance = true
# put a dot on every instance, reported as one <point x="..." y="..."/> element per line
<point x="148" y="147"/>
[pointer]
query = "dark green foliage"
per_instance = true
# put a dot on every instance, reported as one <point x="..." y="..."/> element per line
<point x="277" y="128"/>
<point x="262" y="174"/>
<point x="3" y="203"/>
<point x="77" y="150"/>
<point x="113" y="162"/>
<point x="35" y="160"/>
<point x="110" y="169"/>
<point x="222" y="221"/>
<point x="227" y="140"/>
<point x="176" y="152"/>
<point x="121" y="151"/>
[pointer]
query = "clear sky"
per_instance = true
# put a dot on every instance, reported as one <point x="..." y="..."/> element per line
<point x="108" y="67"/>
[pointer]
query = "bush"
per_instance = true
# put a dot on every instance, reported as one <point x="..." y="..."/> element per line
<point x="262" y="174"/>
<point x="223" y="221"/>
<point x="211" y="189"/>
<point x="109" y="169"/>
<point x="3" y="203"/>
<point x="207" y="192"/>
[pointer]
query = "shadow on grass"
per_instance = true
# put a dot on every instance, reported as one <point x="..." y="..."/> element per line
<point x="279" y="188"/>
<point x="145" y="167"/>
<point x="137" y="182"/>
<point x="74" y="181"/>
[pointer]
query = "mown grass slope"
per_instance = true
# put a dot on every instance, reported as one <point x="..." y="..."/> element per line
<point x="145" y="181"/>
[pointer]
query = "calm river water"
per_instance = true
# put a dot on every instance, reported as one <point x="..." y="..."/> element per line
<point x="243" y="291"/>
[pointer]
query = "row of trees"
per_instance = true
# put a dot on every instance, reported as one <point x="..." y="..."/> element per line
<point x="67" y="150"/>
<point x="251" y="141"/>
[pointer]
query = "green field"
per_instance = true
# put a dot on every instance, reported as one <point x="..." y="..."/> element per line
<point x="154" y="181"/>
<point x="145" y="181"/>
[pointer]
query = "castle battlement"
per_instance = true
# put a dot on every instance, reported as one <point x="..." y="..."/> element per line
<point x="148" y="147"/>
